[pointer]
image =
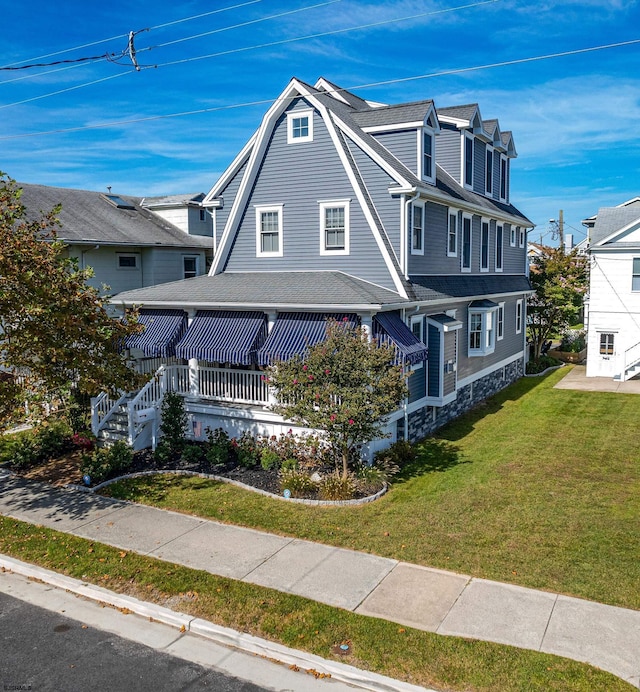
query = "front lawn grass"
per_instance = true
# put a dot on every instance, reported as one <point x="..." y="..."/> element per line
<point x="537" y="486"/>
<point x="422" y="658"/>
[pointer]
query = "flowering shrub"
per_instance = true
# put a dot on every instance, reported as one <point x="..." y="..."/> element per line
<point x="83" y="441"/>
<point x="218" y="447"/>
<point x="247" y="450"/>
<point x="297" y="482"/>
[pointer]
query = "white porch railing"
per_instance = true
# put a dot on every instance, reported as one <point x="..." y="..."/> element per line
<point x="145" y="400"/>
<point x="102" y="407"/>
<point x="235" y="386"/>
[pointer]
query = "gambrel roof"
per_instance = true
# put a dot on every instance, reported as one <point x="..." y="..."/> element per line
<point x="89" y="217"/>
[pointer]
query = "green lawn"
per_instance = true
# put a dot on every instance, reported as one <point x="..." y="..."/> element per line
<point x="422" y="658"/>
<point x="538" y="487"/>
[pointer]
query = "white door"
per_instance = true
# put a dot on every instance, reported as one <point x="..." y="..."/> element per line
<point x="609" y="365"/>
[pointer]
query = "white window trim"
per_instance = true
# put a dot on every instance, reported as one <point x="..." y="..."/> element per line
<point x="499" y="269"/>
<point x="489" y="150"/>
<point x="521" y="236"/>
<point x="487" y="337"/>
<point x="505" y="198"/>
<point x="499" y="336"/>
<point x="417" y="319"/>
<point x="259" y="211"/>
<point x="194" y="257"/>
<point x="135" y="255"/>
<point x="465" y="184"/>
<point x="411" y="248"/>
<point x="329" y="204"/>
<point x="462" y="267"/>
<point x="513" y="236"/>
<point x="426" y="129"/>
<point x="300" y="113"/>
<point x="485" y="222"/>
<point x="451" y="213"/>
<point x="634" y="275"/>
<point x="519" y="315"/>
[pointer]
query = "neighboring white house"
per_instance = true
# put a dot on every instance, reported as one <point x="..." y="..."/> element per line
<point x="129" y="243"/>
<point x="614" y="292"/>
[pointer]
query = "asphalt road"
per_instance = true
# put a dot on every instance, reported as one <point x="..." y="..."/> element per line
<point x="45" y="651"/>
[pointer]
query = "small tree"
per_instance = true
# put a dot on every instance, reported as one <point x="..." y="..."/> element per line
<point x="560" y="282"/>
<point x="55" y="331"/>
<point x="345" y="386"/>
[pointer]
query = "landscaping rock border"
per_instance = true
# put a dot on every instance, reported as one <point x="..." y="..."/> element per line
<point x="244" y="486"/>
<point x="544" y="372"/>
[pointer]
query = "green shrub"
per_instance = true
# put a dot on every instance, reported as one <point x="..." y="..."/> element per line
<point x="193" y="453"/>
<point x="298" y="483"/>
<point x="107" y="462"/>
<point x="289" y="465"/>
<point x="396" y="456"/>
<point x="174" y="422"/>
<point x="573" y="342"/>
<point x="24" y="452"/>
<point x="537" y="366"/>
<point x="269" y="459"/>
<point x="218" y="447"/>
<point x="247" y="450"/>
<point x="335" y="486"/>
<point x="53" y="439"/>
<point x="371" y="479"/>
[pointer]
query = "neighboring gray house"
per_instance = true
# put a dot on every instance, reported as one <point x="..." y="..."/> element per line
<point x="398" y="218"/>
<point x="124" y="239"/>
<point x="613" y="326"/>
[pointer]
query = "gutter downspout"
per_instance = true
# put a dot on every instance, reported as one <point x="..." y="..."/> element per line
<point x="406" y="232"/>
<point x="405" y="403"/>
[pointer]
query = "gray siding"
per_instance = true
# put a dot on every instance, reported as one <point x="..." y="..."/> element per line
<point x="448" y="150"/>
<point x="298" y="176"/>
<point x="161" y="265"/>
<point x="417" y="383"/>
<point x="403" y="145"/>
<point x="378" y="182"/>
<point x="514" y="257"/>
<point x="496" y="175"/>
<point x="449" y="378"/>
<point x="511" y="344"/>
<point x="435" y="260"/>
<point x="228" y="195"/>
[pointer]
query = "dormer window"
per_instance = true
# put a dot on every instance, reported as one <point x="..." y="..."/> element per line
<point x="504" y="178"/>
<point x="299" y="126"/>
<point x="489" y="171"/>
<point x="468" y="161"/>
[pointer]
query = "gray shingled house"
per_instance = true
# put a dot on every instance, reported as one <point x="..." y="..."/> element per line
<point x="397" y="217"/>
<point x="129" y="242"/>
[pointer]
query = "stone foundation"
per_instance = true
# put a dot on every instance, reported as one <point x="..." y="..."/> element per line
<point x="428" y="419"/>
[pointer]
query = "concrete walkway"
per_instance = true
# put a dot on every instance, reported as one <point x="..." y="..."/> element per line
<point x="424" y="598"/>
<point x="577" y="378"/>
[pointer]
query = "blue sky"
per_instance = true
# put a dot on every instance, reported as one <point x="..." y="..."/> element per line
<point x="575" y="119"/>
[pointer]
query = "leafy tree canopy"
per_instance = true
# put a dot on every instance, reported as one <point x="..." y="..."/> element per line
<point x="560" y="282"/>
<point x="345" y="386"/>
<point x="55" y="331"/>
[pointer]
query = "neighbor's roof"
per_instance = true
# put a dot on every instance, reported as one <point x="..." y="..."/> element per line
<point x="89" y="217"/>
<point x="172" y="200"/>
<point x="612" y="219"/>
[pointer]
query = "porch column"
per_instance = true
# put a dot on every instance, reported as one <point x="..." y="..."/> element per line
<point x="366" y="321"/>
<point x="194" y="383"/>
<point x="271" y="320"/>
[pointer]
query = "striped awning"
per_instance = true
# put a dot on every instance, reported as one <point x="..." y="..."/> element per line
<point x="389" y="328"/>
<point x="162" y="331"/>
<point x="294" y="332"/>
<point x="224" y="336"/>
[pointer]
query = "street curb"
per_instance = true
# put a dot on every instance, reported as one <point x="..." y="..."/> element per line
<point x="223" y="636"/>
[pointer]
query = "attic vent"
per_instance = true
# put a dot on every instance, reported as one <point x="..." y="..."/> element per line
<point x="118" y="202"/>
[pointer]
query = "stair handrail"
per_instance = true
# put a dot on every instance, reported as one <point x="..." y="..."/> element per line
<point x="631" y="357"/>
<point x="103" y="402"/>
<point x="147" y="397"/>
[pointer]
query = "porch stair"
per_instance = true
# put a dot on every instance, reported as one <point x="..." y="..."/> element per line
<point x="631" y="364"/>
<point x="116" y="426"/>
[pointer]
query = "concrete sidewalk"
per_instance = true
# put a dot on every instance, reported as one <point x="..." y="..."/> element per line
<point x="420" y="597"/>
<point x="577" y="378"/>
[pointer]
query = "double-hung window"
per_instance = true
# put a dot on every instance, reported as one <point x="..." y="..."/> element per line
<point x="417" y="229"/>
<point x="467" y="236"/>
<point x="452" y="238"/>
<point x="427" y="155"/>
<point x="417" y="327"/>
<point x="500" y="322"/>
<point x="635" y="279"/>
<point x="512" y="236"/>
<point x="299" y="126"/>
<point x="519" y="307"/>
<point x="522" y="234"/>
<point x="468" y="161"/>
<point x="483" y="319"/>
<point x="334" y="227"/>
<point x="189" y="266"/>
<point x="504" y="178"/>
<point x="489" y="171"/>
<point x="499" y="248"/>
<point x="269" y="231"/>
<point x="484" y="247"/>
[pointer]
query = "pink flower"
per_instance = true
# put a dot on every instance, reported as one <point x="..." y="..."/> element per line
<point x="351" y="421"/>
<point x="310" y="378"/>
<point x="295" y="382"/>
<point x="332" y="417"/>
<point x="305" y="368"/>
<point x="345" y="319"/>
<point x="290" y="431"/>
<point x="327" y="371"/>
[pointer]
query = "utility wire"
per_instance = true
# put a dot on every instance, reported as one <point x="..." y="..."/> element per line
<point x="113" y="38"/>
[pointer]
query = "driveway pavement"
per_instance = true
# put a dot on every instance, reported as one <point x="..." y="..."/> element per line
<point x="420" y="597"/>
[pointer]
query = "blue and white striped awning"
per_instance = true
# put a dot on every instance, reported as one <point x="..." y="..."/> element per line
<point x="224" y="336"/>
<point x="162" y="331"/>
<point x="294" y="332"/>
<point x="389" y="328"/>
